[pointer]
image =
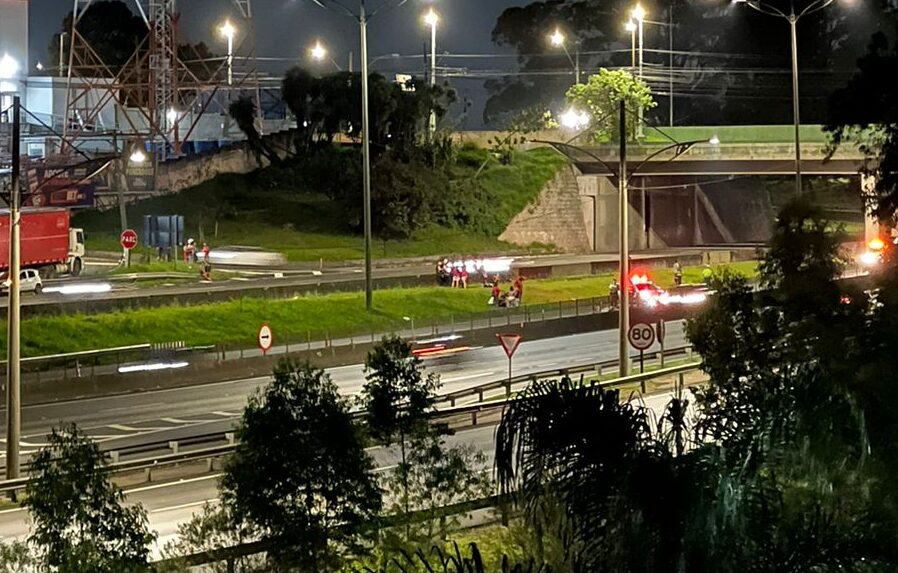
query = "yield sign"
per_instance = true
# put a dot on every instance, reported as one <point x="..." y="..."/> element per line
<point x="509" y="343"/>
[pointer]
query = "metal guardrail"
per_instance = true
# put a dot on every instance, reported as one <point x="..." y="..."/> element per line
<point x="474" y="411"/>
<point x="84" y="354"/>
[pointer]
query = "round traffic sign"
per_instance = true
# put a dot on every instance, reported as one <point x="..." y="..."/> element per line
<point x="128" y="239"/>
<point x="641" y="336"/>
<point x="265" y="338"/>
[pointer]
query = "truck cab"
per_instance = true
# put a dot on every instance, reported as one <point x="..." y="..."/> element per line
<point x="75" y="262"/>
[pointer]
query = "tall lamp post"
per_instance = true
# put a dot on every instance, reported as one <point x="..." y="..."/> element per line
<point x="792" y="17"/>
<point x="432" y="19"/>
<point x="623" y="173"/>
<point x="557" y="39"/>
<point x="229" y="31"/>
<point x="637" y="20"/>
<point x="13" y="348"/>
<point x="363" y="17"/>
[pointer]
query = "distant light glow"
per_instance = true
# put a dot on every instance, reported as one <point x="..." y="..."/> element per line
<point x="80" y="288"/>
<point x="448" y="338"/>
<point x="137" y="156"/>
<point x="638" y="13"/>
<point x="557" y="38"/>
<point x="318" y="52"/>
<point x="431" y="18"/>
<point x="39" y="66"/>
<point x="172" y="115"/>
<point x="9" y="67"/>
<point x="152" y="367"/>
<point x="714" y="140"/>
<point x="227" y="29"/>
<point x="869" y="259"/>
<point x="876" y="244"/>
<point x="630" y="26"/>
<point x="573" y="119"/>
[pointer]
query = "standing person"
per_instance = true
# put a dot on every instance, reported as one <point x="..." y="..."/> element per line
<point x="456" y="275"/>
<point x="614" y="293"/>
<point x="496" y="293"/>
<point x="519" y="288"/>
<point x="464" y="274"/>
<point x="205" y="252"/>
<point x="678" y="273"/>
<point x="440" y="272"/>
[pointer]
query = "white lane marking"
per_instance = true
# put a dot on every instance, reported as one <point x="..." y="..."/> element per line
<point x="184" y="505"/>
<point x="177" y="421"/>
<point x="124" y="428"/>
<point x="466" y="377"/>
<point x="172" y="483"/>
<point x="226" y="414"/>
<point x="11" y="510"/>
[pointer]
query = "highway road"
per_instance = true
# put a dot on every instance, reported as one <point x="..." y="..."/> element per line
<point x="117" y="421"/>
<point x="232" y="283"/>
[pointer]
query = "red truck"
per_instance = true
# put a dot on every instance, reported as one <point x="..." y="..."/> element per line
<point x="49" y="244"/>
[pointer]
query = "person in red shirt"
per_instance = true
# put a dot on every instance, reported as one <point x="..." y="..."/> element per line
<point x="456" y="276"/>
<point x="464" y="275"/>
<point x="496" y="293"/>
<point x="519" y="288"/>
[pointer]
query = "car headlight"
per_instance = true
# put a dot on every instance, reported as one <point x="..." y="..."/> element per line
<point x="869" y="258"/>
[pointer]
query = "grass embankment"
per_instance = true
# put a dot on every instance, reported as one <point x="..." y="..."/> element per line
<point x="339" y="314"/>
<point x="306" y="226"/>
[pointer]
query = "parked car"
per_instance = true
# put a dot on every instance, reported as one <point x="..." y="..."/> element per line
<point x="29" y="281"/>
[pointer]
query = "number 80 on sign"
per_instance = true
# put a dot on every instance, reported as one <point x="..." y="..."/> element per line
<point x="641" y="336"/>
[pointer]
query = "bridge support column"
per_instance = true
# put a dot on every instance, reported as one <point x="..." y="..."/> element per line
<point x="871" y="225"/>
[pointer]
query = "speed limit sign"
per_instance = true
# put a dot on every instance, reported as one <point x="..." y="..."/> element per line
<point x="641" y="336"/>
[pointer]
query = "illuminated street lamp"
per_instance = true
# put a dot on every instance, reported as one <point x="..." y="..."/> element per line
<point x="631" y="27"/>
<point x="319" y="54"/>
<point x="792" y="18"/>
<point x="138" y="157"/>
<point x="431" y="18"/>
<point x="557" y="39"/>
<point x="637" y="18"/>
<point x="229" y="31"/>
<point x="574" y="119"/>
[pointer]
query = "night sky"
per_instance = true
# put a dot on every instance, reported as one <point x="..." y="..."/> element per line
<point x="286" y="28"/>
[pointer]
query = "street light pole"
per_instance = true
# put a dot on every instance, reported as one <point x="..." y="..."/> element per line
<point x="670" y="56"/>
<point x="431" y="18"/>
<point x="624" y="234"/>
<point x="793" y="19"/>
<point x="793" y="25"/>
<point x="13" y="349"/>
<point x="366" y="153"/>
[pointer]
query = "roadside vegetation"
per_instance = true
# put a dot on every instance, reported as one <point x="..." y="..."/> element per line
<point x="312" y="316"/>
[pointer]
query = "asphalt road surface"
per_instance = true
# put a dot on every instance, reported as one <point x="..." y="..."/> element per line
<point x="167" y="414"/>
<point x="298" y="276"/>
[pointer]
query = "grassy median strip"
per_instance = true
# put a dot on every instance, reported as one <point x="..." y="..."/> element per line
<point x="339" y="314"/>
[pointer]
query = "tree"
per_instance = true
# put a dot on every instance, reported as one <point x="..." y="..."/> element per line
<point x="80" y="521"/>
<point x="243" y="111"/>
<point x="600" y="97"/>
<point x="113" y="31"/>
<point x="17" y="557"/>
<point x="517" y="126"/>
<point x="300" y="475"/>
<point x="398" y="399"/>
<point x="212" y="530"/>
<point x="865" y="113"/>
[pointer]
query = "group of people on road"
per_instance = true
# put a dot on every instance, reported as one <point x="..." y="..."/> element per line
<point x="510" y="298"/>
<point x="191" y="256"/>
<point x="456" y="275"/>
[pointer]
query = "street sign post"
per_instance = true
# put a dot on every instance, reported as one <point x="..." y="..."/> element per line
<point x="641" y="336"/>
<point x="509" y="344"/>
<point x="265" y="338"/>
<point x="660" y="331"/>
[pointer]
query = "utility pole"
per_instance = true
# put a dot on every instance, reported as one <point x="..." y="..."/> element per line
<point x="624" y="203"/>
<point x="670" y="46"/>
<point x="366" y="153"/>
<point x="793" y="24"/>
<point x="13" y="350"/>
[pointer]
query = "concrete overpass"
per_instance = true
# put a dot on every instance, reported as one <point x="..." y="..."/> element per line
<point x="706" y="194"/>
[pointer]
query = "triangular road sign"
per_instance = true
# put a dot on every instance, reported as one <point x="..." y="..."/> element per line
<point x="509" y="342"/>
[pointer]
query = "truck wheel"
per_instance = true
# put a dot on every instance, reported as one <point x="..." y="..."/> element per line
<point x="76" y="267"/>
<point x="38" y="289"/>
